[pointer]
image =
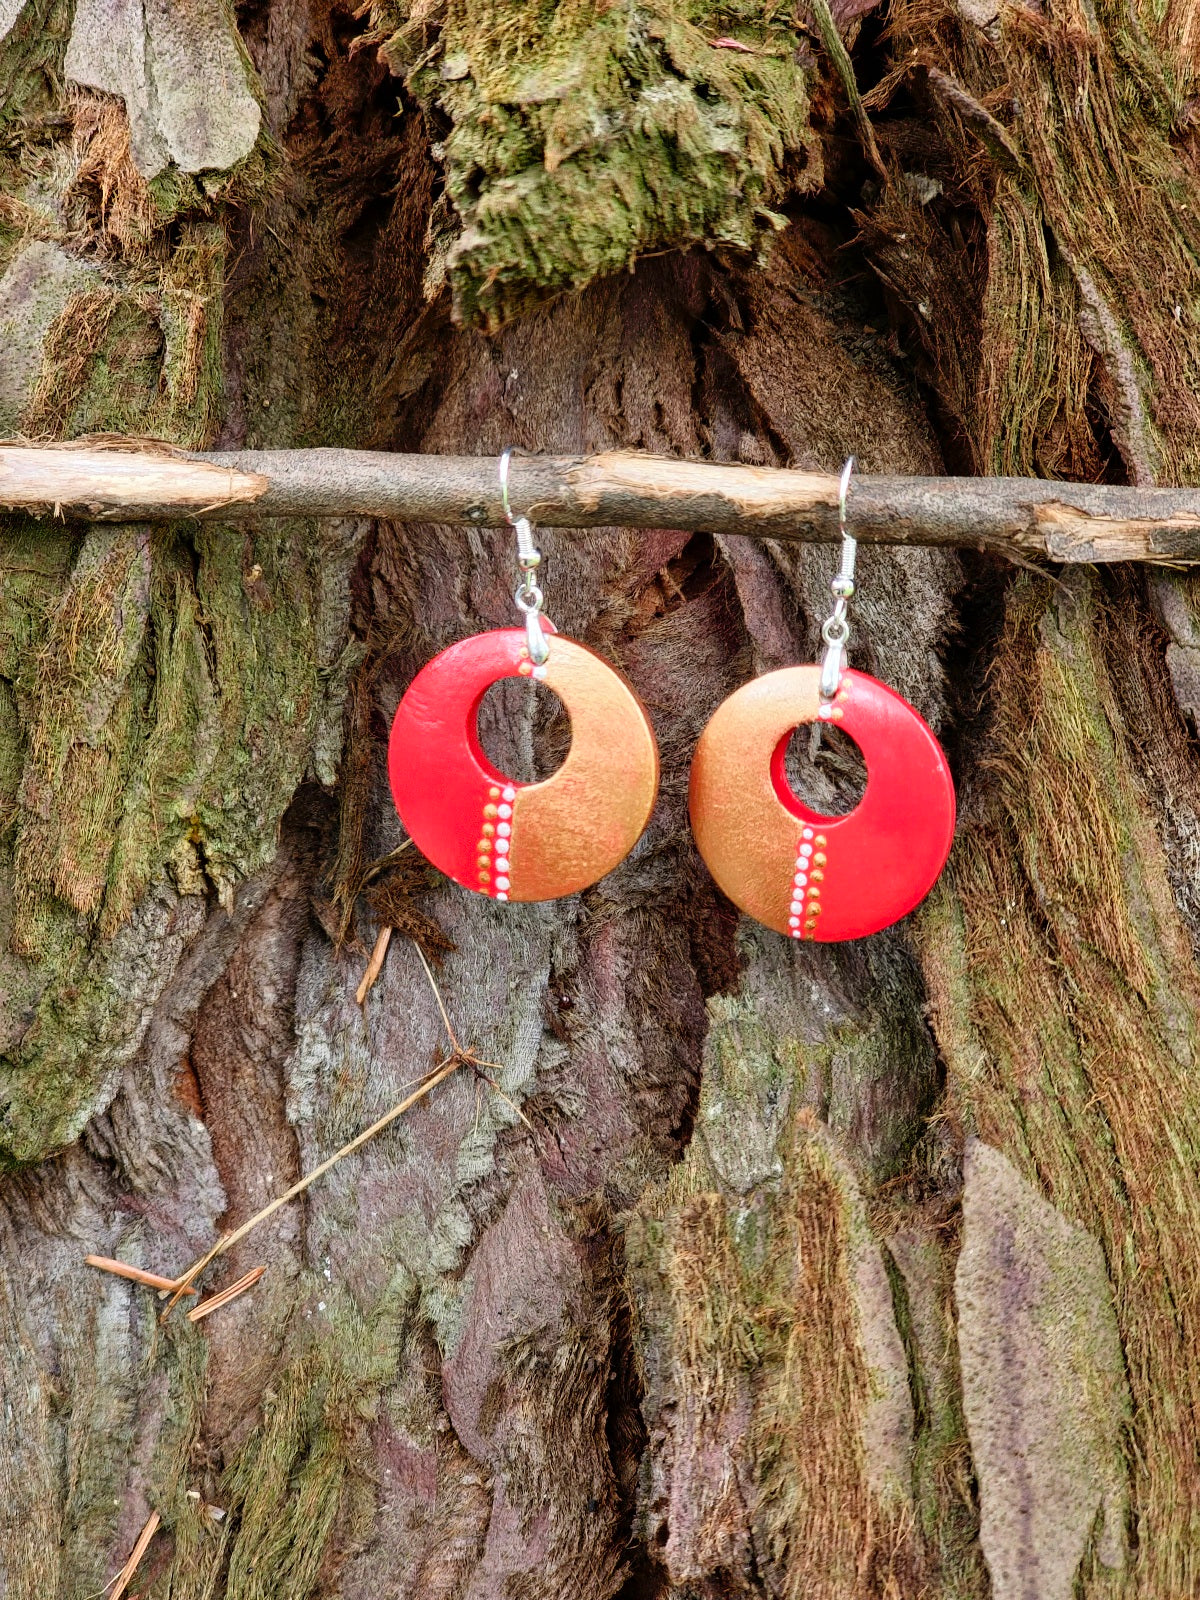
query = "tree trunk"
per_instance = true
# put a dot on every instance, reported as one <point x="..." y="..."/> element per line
<point x="721" y="1266"/>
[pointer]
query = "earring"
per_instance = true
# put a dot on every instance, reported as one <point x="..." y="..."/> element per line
<point x="522" y="841"/>
<point x="801" y="873"/>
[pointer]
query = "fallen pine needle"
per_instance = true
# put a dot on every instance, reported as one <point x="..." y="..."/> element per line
<point x="458" y="1057"/>
<point x="495" y="1087"/>
<point x="374" y="965"/>
<point x="427" y="1084"/>
<point x="122" y="1579"/>
<point x="469" y="1057"/>
<point x="197" y="1313"/>
<point x="441" y="1004"/>
<point x="122" y="1269"/>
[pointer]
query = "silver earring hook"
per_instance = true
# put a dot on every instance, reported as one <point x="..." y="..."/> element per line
<point x="528" y="597"/>
<point x="843" y="491"/>
<point x="836" y="629"/>
<point x="502" y="470"/>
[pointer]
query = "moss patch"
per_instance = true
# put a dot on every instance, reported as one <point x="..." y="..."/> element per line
<point x="778" y="1399"/>
<point x="168" y="702"/>
<point x="31" y="57"/>
<point x="302" y="1477"/>
<point x="583" y="134"/>
<point x="785" y="1384"/>
<point x="162" y="694"/>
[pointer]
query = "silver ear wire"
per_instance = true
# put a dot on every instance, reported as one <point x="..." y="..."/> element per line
<point x="836" y="630"/>
<point x="529" y="597"/>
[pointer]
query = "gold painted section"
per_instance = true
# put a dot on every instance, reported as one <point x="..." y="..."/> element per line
<point x="578" y="824"/>
<point x="744" y="832"/>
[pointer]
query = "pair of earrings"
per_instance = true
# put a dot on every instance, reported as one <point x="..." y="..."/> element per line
<point x="806" y="875"/>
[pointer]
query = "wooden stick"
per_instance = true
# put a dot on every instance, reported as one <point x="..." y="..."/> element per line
<point x="122" y="1269"/>
<point x="1016" y="517"/>
<point x="122" y="1580"/>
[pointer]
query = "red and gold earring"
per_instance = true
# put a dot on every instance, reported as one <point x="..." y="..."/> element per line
<point x="522" y="841"/>
<point x="806" y="875"/>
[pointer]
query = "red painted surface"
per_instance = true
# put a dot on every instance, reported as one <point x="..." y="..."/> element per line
<point x="883" y="857"/>
<point x="441" y="779"/>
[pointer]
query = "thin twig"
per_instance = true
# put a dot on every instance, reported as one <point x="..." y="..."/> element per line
<point x="468" y="1056"/>
<point x="122" y="1269"/>
<point x="374" y="965"/>
<point x="437" y="995"/>
<point x="122" y="1580"/>
<point x="216" y="1301"/>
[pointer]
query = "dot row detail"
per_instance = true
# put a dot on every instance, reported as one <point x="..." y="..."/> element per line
<point x="807" y="879"/>
<point x="836" y="711"/>
<point x="495" y="841"/>
<point x="809" y="875"/>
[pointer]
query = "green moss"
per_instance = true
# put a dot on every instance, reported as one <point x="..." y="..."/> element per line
<point x="169" y="704"/>
<point x="163" y="694"/>
<point x="139" y="360"/>
<point x="84" y="688"/>
<point x="181" y="1358"/>
<point x="175" y="1360"/>
<point x="31" y="58"/>
<point x="873" y="1075"/>
<point x="107" y="1341"/>
<point x="35" y="559"/>
<point x="304" y="1475"/>
<point x="766" y="1314"/>
<point x="771" y="1321"/>
<point x="586" y="134"/>
<point x="178" y="194"/>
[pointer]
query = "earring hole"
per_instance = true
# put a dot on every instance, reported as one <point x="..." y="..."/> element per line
<point x="524" y="729"/>
<point x="834" y="781"/>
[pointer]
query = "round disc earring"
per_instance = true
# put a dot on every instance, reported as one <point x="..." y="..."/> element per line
<point x="522" y="841"/>
<point x="801" y="873"/>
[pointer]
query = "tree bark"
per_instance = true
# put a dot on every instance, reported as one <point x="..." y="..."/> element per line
<point x="720" y="1266"/>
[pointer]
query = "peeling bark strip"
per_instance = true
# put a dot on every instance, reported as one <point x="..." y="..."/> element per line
<point x="1015" y="517"/>
<point x="1043" y="1385"/>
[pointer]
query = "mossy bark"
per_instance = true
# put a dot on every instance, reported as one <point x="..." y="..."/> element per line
<point x="742" y="1269"/>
